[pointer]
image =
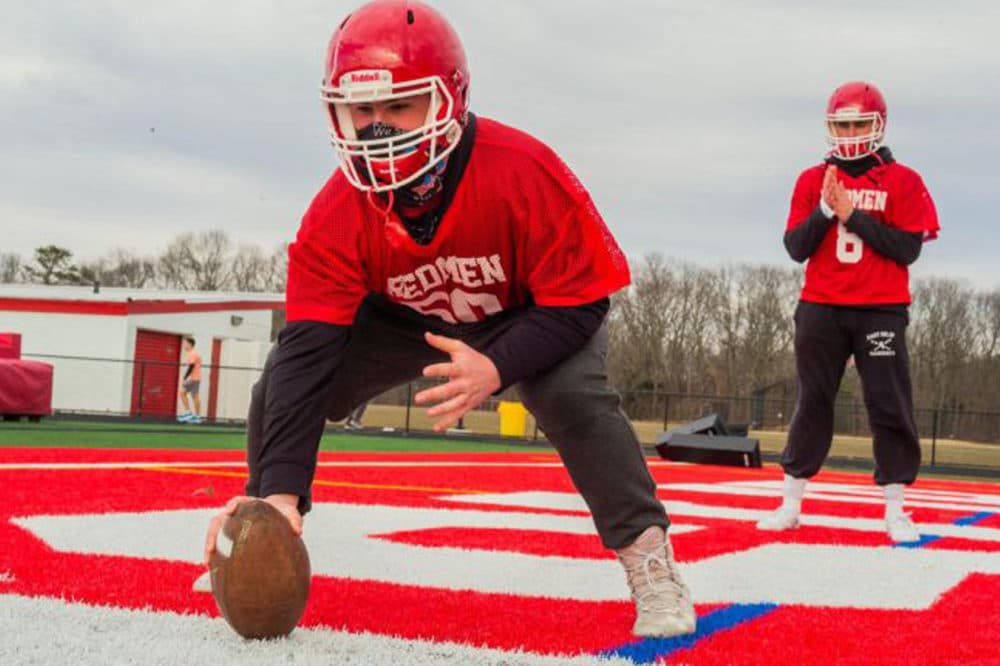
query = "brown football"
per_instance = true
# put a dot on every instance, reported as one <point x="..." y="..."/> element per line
<point x="260" y="572"/>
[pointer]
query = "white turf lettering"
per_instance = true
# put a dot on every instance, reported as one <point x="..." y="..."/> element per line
<point x="344" y="541"/>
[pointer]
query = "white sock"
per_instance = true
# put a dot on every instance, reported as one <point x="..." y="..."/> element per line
<point x="791" y="495"/>
<point x="893" y="499"/>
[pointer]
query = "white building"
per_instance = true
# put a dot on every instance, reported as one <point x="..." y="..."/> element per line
<point x="119" y="350"/>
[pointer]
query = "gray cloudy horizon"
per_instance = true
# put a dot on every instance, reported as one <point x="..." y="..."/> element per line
<point x="124" y="124"/>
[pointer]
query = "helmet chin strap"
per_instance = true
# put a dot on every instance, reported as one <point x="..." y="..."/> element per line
<point x="373" y="201"/>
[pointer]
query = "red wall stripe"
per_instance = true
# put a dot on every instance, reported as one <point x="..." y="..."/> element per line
<point x="112" y="308"/>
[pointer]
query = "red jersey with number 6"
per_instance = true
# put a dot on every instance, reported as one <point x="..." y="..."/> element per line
<point x="843" y="270"/>
<point x="521" y="228"/>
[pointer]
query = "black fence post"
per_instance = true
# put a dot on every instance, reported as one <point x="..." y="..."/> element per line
<point x="666" y="410"/>
<point x="934" y="434"/>
<point x="409" y="401"/>
<point x="142" y="386"/>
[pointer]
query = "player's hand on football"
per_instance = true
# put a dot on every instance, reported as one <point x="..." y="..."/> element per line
<point x="288" y="505"/>
<point x="471" y="376"/>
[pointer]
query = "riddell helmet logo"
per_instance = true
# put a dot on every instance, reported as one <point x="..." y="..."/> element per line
<point x="847" y="112"/>
<point x="366" y="77"/>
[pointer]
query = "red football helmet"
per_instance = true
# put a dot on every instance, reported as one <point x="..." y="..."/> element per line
<point x="857" y="101"/>
<point x="391" y="49"/>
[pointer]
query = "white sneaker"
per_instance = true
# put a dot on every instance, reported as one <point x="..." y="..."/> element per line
<point x="662" y="600"/>
<point x="185" y="417"/>
<point x="901" y="528"/>
<point x="779" y="521"/>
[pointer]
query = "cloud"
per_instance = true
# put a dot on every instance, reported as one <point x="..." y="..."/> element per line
<point x="126" y="123"/>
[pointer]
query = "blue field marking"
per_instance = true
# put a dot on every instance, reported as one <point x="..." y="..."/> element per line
<point x="964" y="521"/>
<point x="974" y="518"/>
<point x="650" y="649"/>
<point x="924" y="540"/>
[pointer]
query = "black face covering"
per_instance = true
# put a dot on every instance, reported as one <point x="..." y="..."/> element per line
<point x="377" y="131"/>
<point x="857" y="168"/>
<point x="417" y="195"/>
<point x="374" y="136"/>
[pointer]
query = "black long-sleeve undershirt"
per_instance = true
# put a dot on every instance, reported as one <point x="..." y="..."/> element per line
<point x="304" y="366"/>
<point x="301" y="376"/>
<point x="543" y="336"/>
<point x="903" y="247"/>
<point x="804" y="239"/>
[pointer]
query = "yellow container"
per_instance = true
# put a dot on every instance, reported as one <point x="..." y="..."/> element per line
<point x="513" y="419"/>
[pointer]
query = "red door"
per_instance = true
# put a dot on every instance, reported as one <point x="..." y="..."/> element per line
<point x="154" y="375"/>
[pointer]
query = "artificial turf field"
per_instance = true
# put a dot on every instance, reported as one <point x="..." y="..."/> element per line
<point x="429" y="551"/>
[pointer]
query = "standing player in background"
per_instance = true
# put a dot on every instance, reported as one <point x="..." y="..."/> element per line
<point x="354" y="418"/>
<point x="190" y="384"/>
<point x="860" y="219"/>
<point x="454" y="247"/>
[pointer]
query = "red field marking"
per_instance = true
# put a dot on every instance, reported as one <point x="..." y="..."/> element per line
<point x="557" y="626"/>
<point x="962" y="627"/>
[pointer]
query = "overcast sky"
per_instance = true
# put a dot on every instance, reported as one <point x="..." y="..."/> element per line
<point x="124" y="123"/>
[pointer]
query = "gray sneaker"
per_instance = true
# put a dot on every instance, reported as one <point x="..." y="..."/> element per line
<point x="662" y="600"/>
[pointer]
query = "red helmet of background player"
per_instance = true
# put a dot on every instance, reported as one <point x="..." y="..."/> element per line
<point x="392" y="49"/>
<point x="856" y="101"/>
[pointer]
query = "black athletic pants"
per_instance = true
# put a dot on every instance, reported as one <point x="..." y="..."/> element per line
<point x="572" y="401"/>
<point x="825" y="337"/>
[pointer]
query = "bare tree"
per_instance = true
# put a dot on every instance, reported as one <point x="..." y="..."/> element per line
<point x="754" y="324"/>
<point x="278" y="269"/>
<point x="120" y="268"/>
<point x="129" y="270"/>
<point x="637" y="325"/>
<point x="688" y="332"/>
<point x="251" y="269"/>
<point x="982" y="373"/>
<point x="941" y="343"/>
<point x="986" y="313"/>
<point x="197" y="261"/>
<point x="10" y="267"/>
<point x="660" y="330"/>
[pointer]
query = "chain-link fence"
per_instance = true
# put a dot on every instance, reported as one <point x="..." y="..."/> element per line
<point x="948" y="437"/>
<point x="149" y="390"/>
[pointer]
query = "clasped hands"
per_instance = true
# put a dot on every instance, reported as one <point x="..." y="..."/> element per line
<point x="835" y="195"/>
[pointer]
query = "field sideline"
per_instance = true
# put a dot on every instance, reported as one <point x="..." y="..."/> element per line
<point x="974" y="461"/>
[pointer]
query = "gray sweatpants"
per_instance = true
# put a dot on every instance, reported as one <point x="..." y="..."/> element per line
<point x="572" y="401"/>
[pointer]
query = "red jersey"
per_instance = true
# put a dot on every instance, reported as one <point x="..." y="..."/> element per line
<point x="843" y="271"/>
<point x="519" y="228"/>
